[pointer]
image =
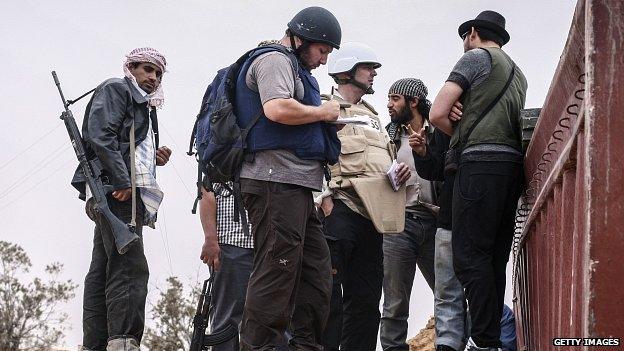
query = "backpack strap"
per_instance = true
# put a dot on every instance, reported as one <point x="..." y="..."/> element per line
<point x="192" y="142"/>
<point x="202" y="108"/>
<point x="239" y="208"/>
<point x="276" y="47"/>
<point x="200" y="164"/>
<point x="489" y="107"/>
<point x="200" y="184"/>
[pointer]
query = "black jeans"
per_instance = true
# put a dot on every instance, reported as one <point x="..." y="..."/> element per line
<point x="485" y="197"/>
<point x="290" y="282"/>
<point x="116" y="285"/>
<point x="357" y="262"/>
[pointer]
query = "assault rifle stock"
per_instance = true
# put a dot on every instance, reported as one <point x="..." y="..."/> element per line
<point x="123" y="233"/>
<point x="200" y="341"/>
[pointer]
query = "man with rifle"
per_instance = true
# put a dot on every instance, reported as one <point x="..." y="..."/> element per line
<point x="120" y="134"/>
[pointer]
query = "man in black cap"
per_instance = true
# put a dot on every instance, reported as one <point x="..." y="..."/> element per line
<point x="290" y="282"/>
<point x="479" y="106"/>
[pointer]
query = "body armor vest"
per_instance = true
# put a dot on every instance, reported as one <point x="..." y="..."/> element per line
<point x="361" y="172"/>
<point x="365" y="151"/>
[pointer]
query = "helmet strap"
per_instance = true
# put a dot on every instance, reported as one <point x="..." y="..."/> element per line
<point x="351" y="80"/>
<point x="367" y="90"/>
<point x="293" y="45"/>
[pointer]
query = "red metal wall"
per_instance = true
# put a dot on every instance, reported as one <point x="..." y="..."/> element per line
<point x="568" y="278"/>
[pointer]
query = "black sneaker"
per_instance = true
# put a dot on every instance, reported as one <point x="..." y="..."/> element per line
<point x="471" y="346"/>
<point x="444" y="348"/>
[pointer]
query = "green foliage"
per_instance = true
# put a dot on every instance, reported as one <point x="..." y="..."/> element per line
<point x="173" y="317"/>
<point x="28" y="311"/>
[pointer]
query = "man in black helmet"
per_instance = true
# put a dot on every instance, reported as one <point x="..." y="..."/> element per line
<point x="290" y="145"/>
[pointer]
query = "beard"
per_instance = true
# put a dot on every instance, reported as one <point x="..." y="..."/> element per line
<point x="403" y="116"/>
<point x="304" y="56"/>
<point x="148" y="88"/>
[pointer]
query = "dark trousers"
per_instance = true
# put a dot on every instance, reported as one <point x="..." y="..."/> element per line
<point x="115" y="286"/>
<point x="484" y="202"/>
<point x="229" y="290"/>
<point x="290" y="282"/>
<point x="357" y="266"/>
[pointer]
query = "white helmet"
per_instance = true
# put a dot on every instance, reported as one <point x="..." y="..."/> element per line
<point x="349" y="55"/>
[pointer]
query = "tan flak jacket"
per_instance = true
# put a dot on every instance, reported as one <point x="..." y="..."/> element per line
<point x="359" y="178"/>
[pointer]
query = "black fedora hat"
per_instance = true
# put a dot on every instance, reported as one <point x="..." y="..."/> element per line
<point x="490" y="20"/>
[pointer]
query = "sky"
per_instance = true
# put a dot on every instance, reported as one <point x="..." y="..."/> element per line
<point x="85" y="42"/>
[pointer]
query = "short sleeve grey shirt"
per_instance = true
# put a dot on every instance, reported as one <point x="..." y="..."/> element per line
<point x="472" y="69"/>
<point x="273" y="76"/>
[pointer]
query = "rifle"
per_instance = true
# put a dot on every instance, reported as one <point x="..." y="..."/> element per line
<point x="123" y="233"/>
<point x="200" y="340"/>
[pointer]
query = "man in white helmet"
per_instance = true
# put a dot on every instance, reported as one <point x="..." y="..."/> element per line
<point x="359" y="205"/>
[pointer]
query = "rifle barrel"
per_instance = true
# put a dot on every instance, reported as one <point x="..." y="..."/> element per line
<point x="123" y="234"/>
<point x="58" y="86"/>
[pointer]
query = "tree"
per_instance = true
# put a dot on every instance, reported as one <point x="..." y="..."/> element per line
<point x="28" y="312"/>
<point x="173" y="316"/>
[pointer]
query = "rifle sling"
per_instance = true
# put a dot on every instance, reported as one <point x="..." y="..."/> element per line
<point x="133" y="173"/>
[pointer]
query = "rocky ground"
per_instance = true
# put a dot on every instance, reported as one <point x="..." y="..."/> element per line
<point x="424" y="340"/>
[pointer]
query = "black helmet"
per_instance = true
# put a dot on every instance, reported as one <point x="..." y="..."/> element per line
<point x="316" y="25"/>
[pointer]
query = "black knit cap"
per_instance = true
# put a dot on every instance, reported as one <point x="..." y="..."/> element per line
<point x="490" y="20"/>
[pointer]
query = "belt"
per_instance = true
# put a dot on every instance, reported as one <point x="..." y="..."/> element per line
<point x="420" y="216"/>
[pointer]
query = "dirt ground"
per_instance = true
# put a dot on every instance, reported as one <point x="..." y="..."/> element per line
<point x="425" y="339"/>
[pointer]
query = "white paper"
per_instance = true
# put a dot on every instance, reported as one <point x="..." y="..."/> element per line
<point x="392" y="175"/>
<point x="355" y="119"/>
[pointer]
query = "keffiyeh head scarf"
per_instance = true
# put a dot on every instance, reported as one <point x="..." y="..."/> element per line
<point x="154" y="57"/>
<point x="411" y="87"/>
